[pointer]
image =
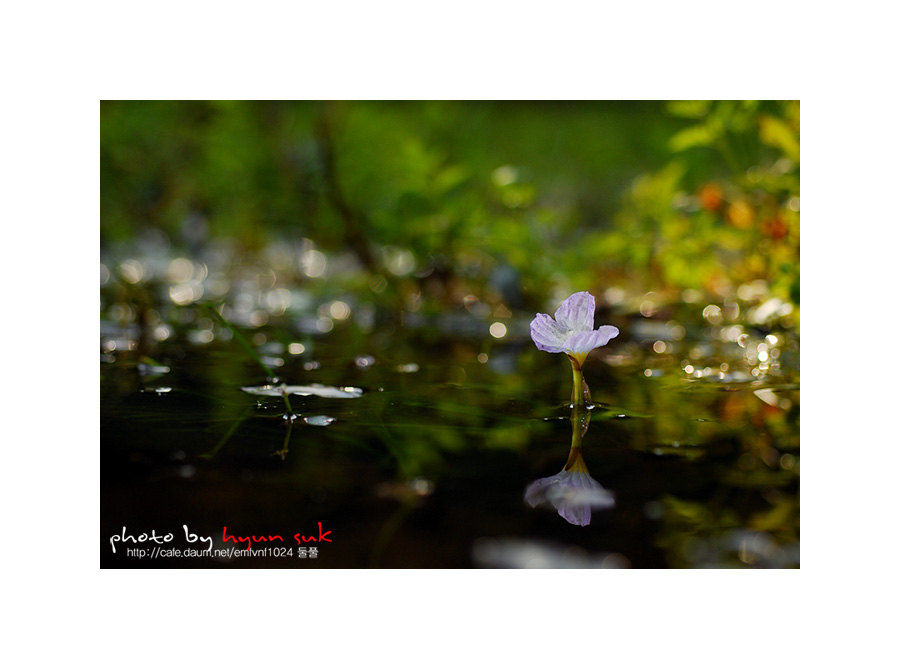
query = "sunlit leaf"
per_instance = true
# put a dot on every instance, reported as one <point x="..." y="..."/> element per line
<point x="696" y="135"/>
<point x="688" y="108"/>
<point x="777" y="133"/>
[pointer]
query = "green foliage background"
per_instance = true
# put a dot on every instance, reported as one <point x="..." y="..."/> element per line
<point x="644" y="196"/>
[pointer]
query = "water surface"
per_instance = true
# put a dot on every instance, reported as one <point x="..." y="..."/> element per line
<point x="414" y="437"/>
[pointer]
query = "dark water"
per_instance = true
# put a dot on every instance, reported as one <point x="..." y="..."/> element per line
<point x="425" y="462"/>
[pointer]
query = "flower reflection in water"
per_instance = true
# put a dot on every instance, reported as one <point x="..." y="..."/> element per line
<point x="572" y="492"/>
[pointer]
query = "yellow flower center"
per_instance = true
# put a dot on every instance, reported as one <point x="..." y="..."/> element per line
<point x="578" y="359"/>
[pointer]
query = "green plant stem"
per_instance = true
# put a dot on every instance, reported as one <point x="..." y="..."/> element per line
<point x="287" y="438"/>
<point x="234" y="426"/>
<point x="579" y="389"/>
<point x="240" y="338"/>
<point x="581" y="419"/>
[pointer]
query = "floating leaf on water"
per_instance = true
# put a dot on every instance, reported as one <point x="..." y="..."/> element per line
<point x="321" y="421"/>
<point x="317" y="389"/>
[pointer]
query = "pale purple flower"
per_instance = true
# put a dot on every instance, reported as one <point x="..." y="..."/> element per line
<point x="572" y="492"/>
<point x="571" y="330"/>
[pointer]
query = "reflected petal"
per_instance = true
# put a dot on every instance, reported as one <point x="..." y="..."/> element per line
<point x="572" y="493"/>
<point x="536" y="492"/>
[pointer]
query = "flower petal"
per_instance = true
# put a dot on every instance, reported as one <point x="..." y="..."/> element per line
<point x="585" y="342"/>
<point x="572" y="493"/>
<point x="536" y="492"/>
<point x="591" y="492"/>
<point x="547" y="334"/>
<point x="580" y="493"/>
<point x="577" y="312"/>
<point x="576" y="514"/>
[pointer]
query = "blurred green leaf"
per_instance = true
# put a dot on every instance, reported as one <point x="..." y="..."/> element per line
<point x="697" y="135"/>
<point x="778" y="134"/>
<point x="688" y="108"/>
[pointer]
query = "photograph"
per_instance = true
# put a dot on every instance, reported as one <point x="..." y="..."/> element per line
<point x="396" y="335"/>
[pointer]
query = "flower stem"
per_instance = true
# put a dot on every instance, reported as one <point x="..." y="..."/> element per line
<point x="581" y="418"/>
<point x="287" y="402"/>
<point x="581" y="394"/>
